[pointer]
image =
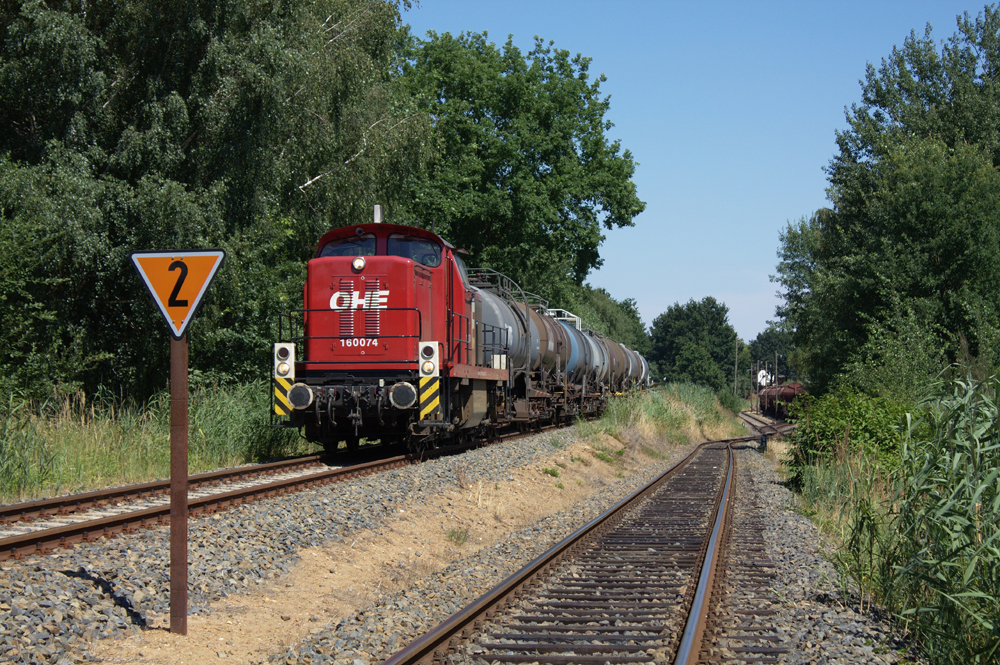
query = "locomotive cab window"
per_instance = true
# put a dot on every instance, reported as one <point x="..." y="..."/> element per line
<point x="363" y="245"/>
<point x="425" y="252"/>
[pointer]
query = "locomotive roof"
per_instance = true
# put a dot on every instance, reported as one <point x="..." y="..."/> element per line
<point x="382" y="229"/>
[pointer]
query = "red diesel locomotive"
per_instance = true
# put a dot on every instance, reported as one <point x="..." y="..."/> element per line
<point x="399" y="341"/>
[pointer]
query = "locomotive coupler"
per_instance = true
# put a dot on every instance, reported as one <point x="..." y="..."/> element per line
<point x="355" y="417"/>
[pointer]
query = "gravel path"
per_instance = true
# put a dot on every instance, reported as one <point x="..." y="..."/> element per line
<point x="52" y="607"/>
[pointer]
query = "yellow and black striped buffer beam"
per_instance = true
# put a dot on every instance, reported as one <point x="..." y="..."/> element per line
<point x="281" y="405"/>
<point x="430" y="397"/>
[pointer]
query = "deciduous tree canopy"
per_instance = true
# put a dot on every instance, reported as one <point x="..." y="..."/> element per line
<point x="255" y="128"/>
<point x="526" y="177"/>
<point x="695" y="343"/>
<point x="252" y="127"/>
<point x="914" y="231"/>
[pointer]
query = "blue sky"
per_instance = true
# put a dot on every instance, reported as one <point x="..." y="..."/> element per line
<point x="730" y="109"/>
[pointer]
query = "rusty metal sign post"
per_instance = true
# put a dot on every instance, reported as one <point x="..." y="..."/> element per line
<point x="177" y="280"/>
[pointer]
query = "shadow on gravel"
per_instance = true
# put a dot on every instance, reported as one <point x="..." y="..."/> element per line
<point x="106" y="586"/>
<point x="789" y="484"/>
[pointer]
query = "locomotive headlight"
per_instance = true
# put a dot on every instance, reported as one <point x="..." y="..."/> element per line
<point x="427" y="358"/>
<point x="358" y="263"/>
<point x="284" y="363"/>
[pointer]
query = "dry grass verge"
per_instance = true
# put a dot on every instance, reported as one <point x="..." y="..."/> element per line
<point x="331" y="582"/>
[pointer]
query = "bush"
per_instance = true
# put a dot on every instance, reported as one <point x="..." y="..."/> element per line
<point x="730" y="402"/>
<point x="847" y="423"/>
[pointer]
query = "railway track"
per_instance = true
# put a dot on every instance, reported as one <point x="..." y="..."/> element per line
<point x="39" y="527"/>
<point x="71" y="516"/>
<point x="765" y="426"/>
<point x="48" y="538"/>
<point x="633" y="586"/>
<point x="739" y="627"/>
<point x="61" y="506"/>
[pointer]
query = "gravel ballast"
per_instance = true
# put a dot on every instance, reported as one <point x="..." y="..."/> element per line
<point x="53" y="608"/>
<point x="818" y="624"/>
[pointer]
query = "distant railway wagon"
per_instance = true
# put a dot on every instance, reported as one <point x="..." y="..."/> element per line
<point x="399" y="341"/>
<point x="774" y="400"/>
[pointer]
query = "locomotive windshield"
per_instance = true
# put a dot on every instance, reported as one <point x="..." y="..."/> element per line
<point x="420" y="250"/>
<point x="363" y="245"/>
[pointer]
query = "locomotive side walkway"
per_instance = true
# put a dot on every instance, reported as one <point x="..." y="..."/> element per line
<point x="379" y="561"/>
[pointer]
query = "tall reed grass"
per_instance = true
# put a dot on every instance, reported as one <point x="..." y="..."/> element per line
<point x="947" y="527"/>
<point x="74" y="443"/>
<point x="922" y="537"/>
<point x="678" y="413"/>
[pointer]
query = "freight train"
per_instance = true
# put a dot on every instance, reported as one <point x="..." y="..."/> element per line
<point x="399" y="341"/>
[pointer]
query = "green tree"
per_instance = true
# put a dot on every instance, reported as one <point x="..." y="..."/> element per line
<point x="619" y="320"/>
<point x="525" y="176"/>
<point x="902" y="356"/>
<point x="252" y="127"/>
<point x="926" y="236"/>
<point x="695" y="342"/>
<point x="694" y="364"/>
<point x="915" y="222"/>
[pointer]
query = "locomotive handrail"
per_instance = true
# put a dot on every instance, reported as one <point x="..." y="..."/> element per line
<point x="459" y="341"/>
<point x="500" y="344"/>
<point x="504" y="288"/>
<point x="493" y="348"/>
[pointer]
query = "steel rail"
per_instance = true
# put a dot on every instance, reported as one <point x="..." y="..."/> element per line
<point x="694" y="630"/>
<point x="762" y="425"/>
<point x="43" y="541"/>
<point x="736" y="627"/>
<point x="71" y="503"/>
<point x="430" y="646"/>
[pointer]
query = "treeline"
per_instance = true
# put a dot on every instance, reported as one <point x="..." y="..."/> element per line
<point x="901" y="275"/>
<point x="255" y="128"/>
<point x="696" y="343"/>
<point x="891" y="301"/>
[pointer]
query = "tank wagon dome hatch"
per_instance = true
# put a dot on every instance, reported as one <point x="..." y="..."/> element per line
<point x="398" y="341"/>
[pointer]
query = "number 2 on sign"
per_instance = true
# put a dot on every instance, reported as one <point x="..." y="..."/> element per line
<point x="173" y="301"/>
